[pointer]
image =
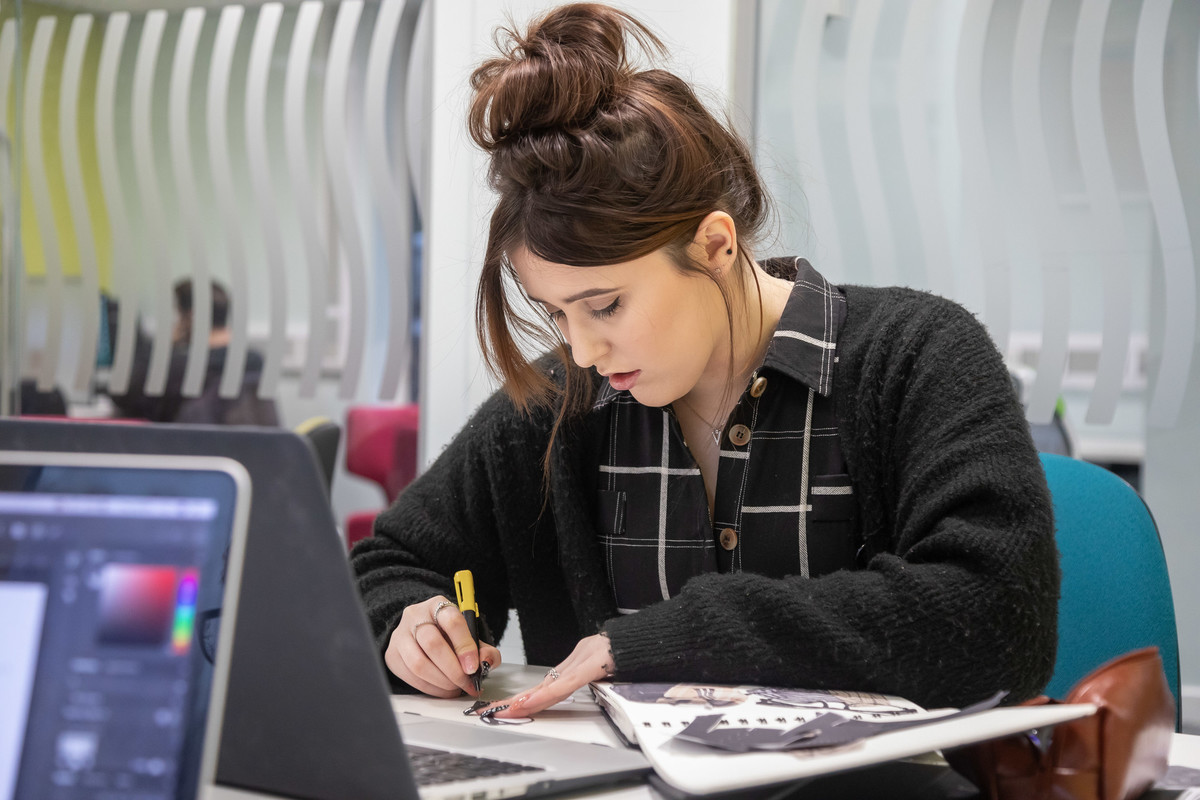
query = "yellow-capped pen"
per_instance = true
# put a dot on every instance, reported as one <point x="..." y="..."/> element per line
<point x="464" y="589"/>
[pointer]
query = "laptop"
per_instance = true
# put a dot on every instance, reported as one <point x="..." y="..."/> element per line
<point x="307" y="711"/>
<point x="109" y="565"/>
<point x="452" y="760"/>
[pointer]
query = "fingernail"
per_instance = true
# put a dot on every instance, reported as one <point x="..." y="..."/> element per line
<point x="474" y="709"/>
<point x="484" y="669"/>
<point x="493" y="710"/>
<point x="470" y="663"/>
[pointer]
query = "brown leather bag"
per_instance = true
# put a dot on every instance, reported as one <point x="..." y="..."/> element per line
<point x="1116" y="754"/>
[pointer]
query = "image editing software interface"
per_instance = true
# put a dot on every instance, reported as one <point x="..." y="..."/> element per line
<point x="109" y="605"/>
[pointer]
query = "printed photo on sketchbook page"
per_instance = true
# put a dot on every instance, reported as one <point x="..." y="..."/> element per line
<point x="653" y="716"/>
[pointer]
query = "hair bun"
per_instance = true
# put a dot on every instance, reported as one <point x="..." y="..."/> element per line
<point x="569" y="63"/>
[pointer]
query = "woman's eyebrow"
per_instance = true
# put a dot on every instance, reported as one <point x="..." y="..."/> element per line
<point x="586" y="293"/>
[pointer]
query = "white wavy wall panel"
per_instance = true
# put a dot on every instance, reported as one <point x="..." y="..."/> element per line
<point x="805" y="105"/>
<point x="385" y="89"/>
<point x="984" y="234"/>
<point x="255" y="146"/>
<point x="337" y="159"/>
<point x="10" y="358"/>
<point x="155" y="252"/>
<point x="124" y="281"/>
<point x="1106" y="228"/>
<point x="43" y="208"/>
<point x="191" y="249"/>
<point x="304" y="190"/>
<point x="266" y="216"/>
<point x="1036" y="184"/>
<point x="1178" y="255"/>
<point x="864" y="153"/>
<point x="68" y="129"/>
<point x="8" y="331"/>
<point x="226" y="191"/>
<point x="1055" y="124"/>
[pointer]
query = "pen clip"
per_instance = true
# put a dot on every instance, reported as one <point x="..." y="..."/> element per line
<point x="464" y="588"/>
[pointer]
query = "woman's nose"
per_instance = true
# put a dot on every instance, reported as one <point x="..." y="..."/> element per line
<point x="586" y="347"/>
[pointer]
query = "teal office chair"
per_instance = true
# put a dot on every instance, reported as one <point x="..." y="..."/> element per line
<point x="1116" y="595"/>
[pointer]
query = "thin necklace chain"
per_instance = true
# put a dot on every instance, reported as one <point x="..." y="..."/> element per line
<point x="714" y="430"/>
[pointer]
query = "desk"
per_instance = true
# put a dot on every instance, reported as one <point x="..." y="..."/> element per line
<point x="582" y="720"/>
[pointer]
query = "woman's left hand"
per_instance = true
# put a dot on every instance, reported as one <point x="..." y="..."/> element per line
<point x="591" y="660"/>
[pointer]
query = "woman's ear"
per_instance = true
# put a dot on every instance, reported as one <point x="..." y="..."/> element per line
<point x="717" y="237"/>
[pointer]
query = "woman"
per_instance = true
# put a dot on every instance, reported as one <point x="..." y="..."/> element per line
<point x="731" y="471"/>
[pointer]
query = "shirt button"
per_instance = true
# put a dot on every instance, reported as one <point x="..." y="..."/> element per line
<point x="729" y="538"/>
<point x="758" y="387"/>
<point x="739" y="435"/>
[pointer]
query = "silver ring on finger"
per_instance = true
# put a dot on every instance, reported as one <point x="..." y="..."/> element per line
<point x="438" y="609"/>
<point x="419" y="624"/>
<point x="553" y="674"/>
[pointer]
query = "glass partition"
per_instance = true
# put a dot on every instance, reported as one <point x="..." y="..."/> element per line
<point x="1038" y="161"/>
<point x="9" y="213"/>
<point x="256" y="153"/>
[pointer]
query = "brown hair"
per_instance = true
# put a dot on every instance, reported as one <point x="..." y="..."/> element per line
<point x="595" y="162"/>
<point x="220" y="300"/>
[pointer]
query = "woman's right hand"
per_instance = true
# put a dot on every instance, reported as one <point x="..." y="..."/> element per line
<point x="432" y="650"/>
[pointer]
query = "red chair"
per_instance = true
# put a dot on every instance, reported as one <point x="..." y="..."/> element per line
<point x="381" y="446"/>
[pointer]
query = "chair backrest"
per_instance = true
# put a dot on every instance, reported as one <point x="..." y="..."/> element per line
<point x="1116" y="594"/>
<point x="323" y="436"/>
<point x="381" y="445"/>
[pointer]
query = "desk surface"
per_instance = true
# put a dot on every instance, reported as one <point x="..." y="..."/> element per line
<point x="582" y="720"/>
<point x="579" y="720"/>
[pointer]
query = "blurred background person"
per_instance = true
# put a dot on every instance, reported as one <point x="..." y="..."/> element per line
<point x="209" y="407"/>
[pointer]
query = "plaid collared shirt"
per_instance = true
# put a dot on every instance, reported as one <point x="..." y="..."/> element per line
<point x="784" y="504"/>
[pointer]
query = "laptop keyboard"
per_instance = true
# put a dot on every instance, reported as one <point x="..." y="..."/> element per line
<point x="431" y="767"/>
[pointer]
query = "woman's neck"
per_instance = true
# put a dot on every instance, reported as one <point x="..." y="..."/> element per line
<point x="756" y="314"/>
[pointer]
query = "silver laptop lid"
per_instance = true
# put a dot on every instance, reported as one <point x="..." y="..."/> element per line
<point x="113" y="571"/>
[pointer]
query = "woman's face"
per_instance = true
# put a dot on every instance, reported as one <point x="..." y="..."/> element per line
<point x="651" y="328"/>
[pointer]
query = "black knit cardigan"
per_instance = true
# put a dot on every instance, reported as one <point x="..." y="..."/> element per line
<point x="959" y="599"/>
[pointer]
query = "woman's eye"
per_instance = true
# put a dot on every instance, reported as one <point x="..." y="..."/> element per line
<point x="608" y="310"/>
<point x="555" y="316"/>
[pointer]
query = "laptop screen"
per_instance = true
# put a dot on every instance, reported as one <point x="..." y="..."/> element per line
<point x="112" y="570"/>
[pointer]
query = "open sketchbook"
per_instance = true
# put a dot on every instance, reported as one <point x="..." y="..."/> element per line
<point x="651" y="715"/>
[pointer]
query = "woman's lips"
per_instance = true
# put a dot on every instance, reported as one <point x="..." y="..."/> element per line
<point x="624" y="381"/>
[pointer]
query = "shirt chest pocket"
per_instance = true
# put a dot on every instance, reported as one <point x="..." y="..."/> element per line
<point x="833" y="524"/>
<point x="611" y="516"/>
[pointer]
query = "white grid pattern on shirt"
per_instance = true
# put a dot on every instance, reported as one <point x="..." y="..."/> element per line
<point x="663" y="502"/>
